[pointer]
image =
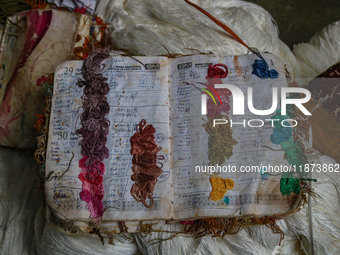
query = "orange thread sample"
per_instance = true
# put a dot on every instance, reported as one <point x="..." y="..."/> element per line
<point x="40" y="121"/>
<point x="146" y="168"/>
<point x="220" y="24"/>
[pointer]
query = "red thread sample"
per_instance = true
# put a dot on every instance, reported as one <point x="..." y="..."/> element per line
<point x="94" y="129"/>
<point x="215" y="74"/>
<point x="146" y="168"/>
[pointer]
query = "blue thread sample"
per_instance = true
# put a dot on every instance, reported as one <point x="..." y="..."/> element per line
<point x="226" y="200"/>
<point x="264" y="175"/>
<point x="261" y="69"/>
<point x="280" y="133"/>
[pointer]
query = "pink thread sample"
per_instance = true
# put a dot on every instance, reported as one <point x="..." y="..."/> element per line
<point x="145" y="169"/>
<point x="94" y="129"/>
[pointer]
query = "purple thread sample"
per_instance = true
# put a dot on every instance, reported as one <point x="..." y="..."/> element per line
<point x="94" y="129"/>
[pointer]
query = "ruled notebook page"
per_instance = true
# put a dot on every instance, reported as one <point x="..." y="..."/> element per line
<point x="253" y="193"/>
<point x="135" y="93"/>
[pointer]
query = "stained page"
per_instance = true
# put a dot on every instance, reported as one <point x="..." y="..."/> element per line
<point x="136" y="92"/>
<point x="197" y="144"/>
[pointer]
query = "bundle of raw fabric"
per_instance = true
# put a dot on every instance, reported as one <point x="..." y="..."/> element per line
<point x="152" y="27"/>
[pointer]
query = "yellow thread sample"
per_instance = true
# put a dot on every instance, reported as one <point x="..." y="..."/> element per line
<point x="219" y="187"/>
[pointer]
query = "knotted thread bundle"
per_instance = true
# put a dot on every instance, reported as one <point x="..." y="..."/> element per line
<point x="220" y="141"/>
<point x="94" y="129"/>
<point x="145" y="159"/>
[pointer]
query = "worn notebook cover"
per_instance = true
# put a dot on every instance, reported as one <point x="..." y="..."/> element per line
<point x="32" y="44"/>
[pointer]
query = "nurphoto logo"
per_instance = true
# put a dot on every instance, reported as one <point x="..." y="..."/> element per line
<point x="239" y="105"/>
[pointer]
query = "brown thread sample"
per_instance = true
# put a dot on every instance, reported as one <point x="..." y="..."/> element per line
<point x="146" y="168"/>
<point x="220" y="227"/>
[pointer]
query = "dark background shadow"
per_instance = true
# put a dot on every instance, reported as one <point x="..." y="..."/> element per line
<point x="299" y="20"/>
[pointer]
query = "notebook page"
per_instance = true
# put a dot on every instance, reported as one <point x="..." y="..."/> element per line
<point x="135" y="94"/>
<point x="253" y="193"/>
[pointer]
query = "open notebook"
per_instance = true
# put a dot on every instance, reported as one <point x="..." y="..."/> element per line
<point x="167" y="94"/>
